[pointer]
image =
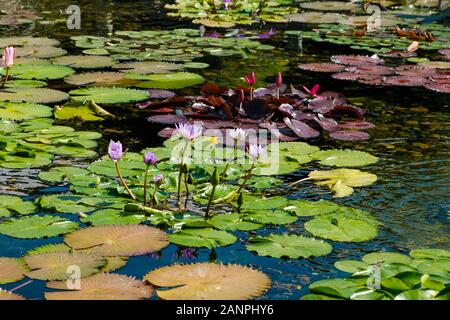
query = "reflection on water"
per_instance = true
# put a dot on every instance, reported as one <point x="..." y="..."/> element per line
<point x="411" y="138"/>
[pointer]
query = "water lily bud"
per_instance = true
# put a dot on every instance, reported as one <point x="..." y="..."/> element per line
<point x="215" y="179"/>
<point x="158" y="179"/>
<point x="150" y="158"/>
<point x="115" y="151"/>
<point x="279" y="82"/>
<point x="9" y="54"/>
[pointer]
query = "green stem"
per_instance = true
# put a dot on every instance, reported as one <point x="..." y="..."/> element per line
<point x="116" y="164"/>
<point x="153" y="199"/>
<point x="229" y="161"/>
<point x="6" y="77"/>
<point x="208" y="208"/>
<point x="187" y="189"/>
<point x="180" y="175"/>
<point x="145" y="185"/>
<point x="249" y="173"/>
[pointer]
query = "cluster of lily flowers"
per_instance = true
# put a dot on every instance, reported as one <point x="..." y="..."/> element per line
<point x="189" y="132"/>
<point x="7" y="61"/>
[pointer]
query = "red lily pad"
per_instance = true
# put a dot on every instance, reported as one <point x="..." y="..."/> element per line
<point x="414" y="71"/>
<point x="160" y="94"/>
<point x="349" y="135"/>
<point x="406" y="81"/>
<point x="167" y="119"/>
<point x="166" y="133"/>
<point x="398" y="54"/>
<point x="351" y="60"/>
<point x="372" y="82"/>
<point x="327" y="124"/>
<point x="322" y="67"/>
<point x="352" y="76"/>
<point x="356" y="125"/>
<point x="438" y="86"/>
<point x="161" y="110"/>
<point x="301" y="129"/>
<point x="371" y="70"/>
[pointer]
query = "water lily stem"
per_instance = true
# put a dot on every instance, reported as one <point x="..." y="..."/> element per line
<point x="298" y="181"/>
<point x="224" y="174"/>
<point x="153" y="199"/>
<point x="119" y="174"/>
<point x="187" y="189"/>
<point x="145" y="185"/>
<point x="248" y="175"/>
<point x="180" y="175"/>
<point x="5" y="78"/>
<point x="208" y="208"/>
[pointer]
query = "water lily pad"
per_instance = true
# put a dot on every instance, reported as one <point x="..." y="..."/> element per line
<point x="25" y="84"/>
<point x="417" y="294"/>
<point x="304" y="208"/>
<point x="27" y="41"/>
<point x="106" y="95"/>
<point x="33" y="95"/>
<point x="255" y="203"/>
<point x="102" y="286"/>
<point x="11" y="270"/>
<point x="351" y="266"/>
<point x="206" y="237"/>
<point x="148" y="67"/>
<point x="85" y="62"/>
<point x="40" y="72"/>
<point x="270" y="217"/>
<point x="54" y="266"/>
<point x="40" y="51"/>
<point x="175" y="80"/>
<point x="291" y="246"/>
<point x="430" y="253"/>
<point x="341" y="228"/>
<point x="118" y="240"/>
<point x="233" y="221"/>
<point x="95" y="78"/>
<point x="6" y="295"/>
<point x="344" y="158"/>
<point x="23" y="111"/>
<point x="386" y="257"/>
<point x="111" y="216"/>
<point x="208" y="281"/>
<point x="339" y="288"/>
<point x="37" y="227"/>
<point x="10" y="205"/>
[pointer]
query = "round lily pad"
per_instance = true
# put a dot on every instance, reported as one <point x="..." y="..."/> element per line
<point x="85" y="62"/>
<point x="233" y="221"/>
<point x="386" y="257"/>
<point x="11" y="270"/>
<point x="105" y="95"/>
<point x="25" y="84"/>
<point x="341" y="229"/>
<point x="148" y="67"/>
<point x="6" y="295"/>
<point x="33" y="95"/>
<point x="255" y="203"/>
<point x="311" y="208"/>
<point x="37" y="227"/>
<point x="291" y="246"/>
<point x="95" y="78"/>
<point x="177" y="80"/>
<point x="206" y="237"/>
<point x="111" y="216"/>
<point x="344" y="158"/>
<point x="210" y="281"/>
<point x="351" y="266"/>
<point x="23" y="111"/>
<point x="270" y="217"/>
<point x="40" y="72"/>
<point x="40" y="52"/>
<point x="12" y="204"/>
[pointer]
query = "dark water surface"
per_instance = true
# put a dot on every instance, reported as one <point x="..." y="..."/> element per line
<point x="412" y="135"/>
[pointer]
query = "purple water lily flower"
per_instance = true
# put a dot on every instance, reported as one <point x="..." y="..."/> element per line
<point x="150" y="158"/>
<point x="256" y="151"/>
<point x="226" y="3"/>
<point x="158" y="178"/>
<point x="115" y="151"/>
<point x="267" y="34"/>
<point x="213" y="34"/>
<point x="189" y="131"/>
<point x="187" y="253"/>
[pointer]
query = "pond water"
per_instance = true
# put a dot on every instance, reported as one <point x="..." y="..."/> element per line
<point x="411" y="138"/>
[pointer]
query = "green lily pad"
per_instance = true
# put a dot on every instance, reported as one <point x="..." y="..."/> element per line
<point x="84" y="62"/>
<point x="351" y="266"/>
<point x="30" y="227"/>
<point x="255" y="203"/>
<point x="15" y="205"/>
<point x="417" y="294"/>
<point x="339" y="288"/>
<point x="386" y="257"/>
<point x="95" y="78"/>
<point x="40" y="72"/>
<point x="33" y="95"/>
<point x="106" y="95"/>
<point x="304" y="208"/>
<point x="77" y="203"/>
<point x="25" y="84"/>
<point x="206" y="237"/>
<point x="148" y="67"/>
<point x="233" y="221"/>
<point x="270" y="217"/>
<point x="341" y="228"/>
<point x="291" y="246"/>
<point x="131" y="166"/>
<point x="177" y="80"/>
<point x="430" y="253"/>
<point x="344" y="158"/>
<point x="111" y="216"/>
<point x="23" y="111"/>
<point x="40" y="51"/>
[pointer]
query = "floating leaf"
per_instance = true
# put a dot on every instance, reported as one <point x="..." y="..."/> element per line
<point x="206" y="237"/>
<point x="233" y="221"/>
<point x="175" y="80"/>
<point x="105" y="95"/>
<point x="37" y="227"/>
<point x="149" y="67"/>
<point x="25" y="84"/>
<point x="339" y="288"/>
<point x="429" y="253"/>
<point x="54" y="266"/>
<point x="103" y="286"/>
<point x="23" y="111"/>
<point x="118" y="240"/>
<point x="255" y="203"/>
<point x="351" y="266"/>
<point x="417" y="294"/>
<point x="33" y="95"/>
<point x="270" y="217"/>
<point x="208" y="281"/>
<point x="311" y="208"/>
<point x="111" y="216"/>
<point x="344" y="158"/>
<point x="11" y="270"/>
<point x="85" y="62"/>
<point x="10" y="205"/>
<point x="40" y="51"/>
<point x="386" y="257"/>
<point x="6" y="295"/>
<point x="341" y="228"/>
<point x="95" y="78"/>
<point x="40" y="72"/>
<point x="291" y="246"/>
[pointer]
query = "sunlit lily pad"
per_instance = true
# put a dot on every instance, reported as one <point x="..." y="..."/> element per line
<point x="10" y="205"/>
<point x="23" y="111"/>
<point x="37" y="227"/>
<point x="255" y="203"/>
<point x="54" y="266"/>
<point x="102" y="286"/>
<point x="292" y="246"/>
<point x="430" y="253"/>
<point x="95" y="78"/>
<point x="339" y="288"/>
<point x="111" y="216"/>
<point x="40" y="72"/>
<point x="208" y="281"/>
<point x="11" y="270"/>
<point x="206" y="237"/>
<point x="106" y="95"/>
<point x="270" y="217"/>
<point x="148" y="67"/>
<point x="344" y="158"/>
<point x="33" y="95"/>
<point x="118" y="240"/>
<point x="340" y="228"/>
<point x="84" y="62"/>
<point x="6" y="295"/>
<point x="233" y="221"/>
<point x="25" y="84"/>
<point x="386" y="257"/>
<point x="175" y="80"/>
<point x="40" y="51"/>
<point x="27" y="41"/>
<point x="351" y="266"/>
<point x="311" y="208"/>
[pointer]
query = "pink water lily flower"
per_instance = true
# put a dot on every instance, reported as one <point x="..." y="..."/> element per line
<point x="314" y="90"/>
<point x="413" y="46"/>
<point x="279" y="81"/>
<point x="9" y="54"/>
<point x="250" y="79"/>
